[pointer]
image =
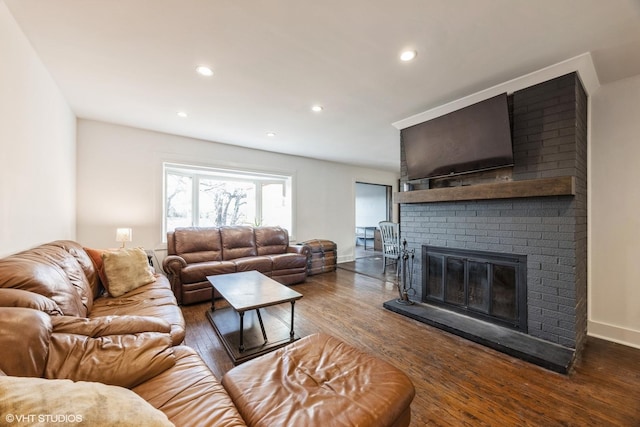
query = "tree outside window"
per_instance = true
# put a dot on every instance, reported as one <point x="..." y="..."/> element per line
<point x="226" y="203"/>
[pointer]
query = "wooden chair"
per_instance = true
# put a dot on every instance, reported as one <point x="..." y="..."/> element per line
<point x="390" y="234"/>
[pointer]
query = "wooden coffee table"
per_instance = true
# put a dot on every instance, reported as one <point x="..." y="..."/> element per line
<point x="247" y="292"/>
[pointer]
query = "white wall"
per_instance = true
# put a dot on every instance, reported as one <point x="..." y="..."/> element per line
<point x="37" y="142"/>
<point x="614" y="299"/>
<point x="371" y="204"/>
<point x="120" y="185"/>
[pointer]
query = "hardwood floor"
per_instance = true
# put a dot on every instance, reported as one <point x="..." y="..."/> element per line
<point x="457" y="382"/>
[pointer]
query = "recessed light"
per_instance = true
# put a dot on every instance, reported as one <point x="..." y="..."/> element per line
<point x="271" y="134"/>
<point x="182" y="114"/>
<point x="203" y="70"/>
<point x="408" y="55"/>
<point x="317" y="108"/>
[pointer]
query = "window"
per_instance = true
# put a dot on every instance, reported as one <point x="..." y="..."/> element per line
<point x="207" y="197"/>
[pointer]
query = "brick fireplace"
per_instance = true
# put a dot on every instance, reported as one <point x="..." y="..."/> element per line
<point x="549" y="134"/>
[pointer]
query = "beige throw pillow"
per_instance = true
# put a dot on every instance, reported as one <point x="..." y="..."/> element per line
<point x="126" y="270"/>
<point x="36" y="401"/>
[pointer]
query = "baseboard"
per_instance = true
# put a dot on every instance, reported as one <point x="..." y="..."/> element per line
<point x="617" y="334"/>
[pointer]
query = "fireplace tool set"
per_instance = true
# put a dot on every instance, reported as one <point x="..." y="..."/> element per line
<point x="407" y="257"/>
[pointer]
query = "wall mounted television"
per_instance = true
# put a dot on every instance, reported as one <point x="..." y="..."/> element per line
<point x="474" y="138"/>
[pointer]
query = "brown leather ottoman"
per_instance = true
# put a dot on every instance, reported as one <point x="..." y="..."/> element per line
<point x="320" y="381"/>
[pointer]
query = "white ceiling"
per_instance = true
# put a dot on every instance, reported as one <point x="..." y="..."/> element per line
<point x="132" y="62"/>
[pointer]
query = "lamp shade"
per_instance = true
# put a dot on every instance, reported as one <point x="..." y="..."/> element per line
<point x="123" y="235"/>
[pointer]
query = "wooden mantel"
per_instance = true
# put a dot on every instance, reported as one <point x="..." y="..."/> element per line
<point x="559" y="186"/>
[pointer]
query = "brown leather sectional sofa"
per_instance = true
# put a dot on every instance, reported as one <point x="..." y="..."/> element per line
<point x="130" y="355"/>
<point x="60" y="278"/>
<point x="193" y="253"/>
<point x="69" y="350"/>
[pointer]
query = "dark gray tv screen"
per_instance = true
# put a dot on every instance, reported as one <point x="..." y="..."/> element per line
<point x="474" y="138"/>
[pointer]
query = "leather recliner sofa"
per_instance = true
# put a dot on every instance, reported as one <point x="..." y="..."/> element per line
<point x="193" y="253"/>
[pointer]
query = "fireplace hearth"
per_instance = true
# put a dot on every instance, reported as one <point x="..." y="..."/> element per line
<point x="506" y="340"/>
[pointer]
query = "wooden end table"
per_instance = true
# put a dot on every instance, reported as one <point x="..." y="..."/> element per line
<point x="248" y="292"/>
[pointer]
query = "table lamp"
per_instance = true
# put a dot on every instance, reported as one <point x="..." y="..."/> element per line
<point x="123" y="235"/>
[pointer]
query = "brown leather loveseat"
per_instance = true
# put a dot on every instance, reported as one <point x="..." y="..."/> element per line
<point x="193" y="253"/>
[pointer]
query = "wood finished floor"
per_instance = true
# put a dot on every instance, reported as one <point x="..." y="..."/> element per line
<point x="457" y="382"/>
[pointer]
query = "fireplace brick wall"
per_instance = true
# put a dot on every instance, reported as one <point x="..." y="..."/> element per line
<point x="549" y="139"/>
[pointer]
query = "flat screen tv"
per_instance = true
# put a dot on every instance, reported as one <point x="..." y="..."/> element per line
<point x="474" y="138"/>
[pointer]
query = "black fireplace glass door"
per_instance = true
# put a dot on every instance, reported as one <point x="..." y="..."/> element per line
<point x="479" y="291"/>
<point x="454" y="279"/>
<point x="435" y="277"/>
<point x="488" y="285"/>
<point x="504" y="292"/>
